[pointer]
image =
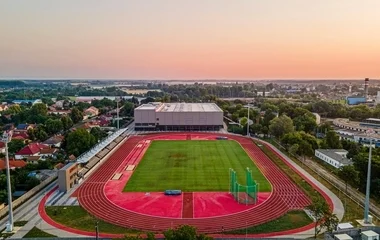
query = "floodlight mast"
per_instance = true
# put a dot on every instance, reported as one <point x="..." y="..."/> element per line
<point x="368" y="186"/>
<point x="5" y="138"/>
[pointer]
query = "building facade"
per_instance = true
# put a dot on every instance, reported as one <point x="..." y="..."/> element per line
<point x="354" y="100"/>
<point x="335" y="157"/>
<point x="178" y="117"/>
<point x="67" y="176"/>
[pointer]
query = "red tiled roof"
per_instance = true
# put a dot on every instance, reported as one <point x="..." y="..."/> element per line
<point x="20" y="135"/>
<point x="32" y="148"/>
<point x="2" y="145"/>
<point x="48" y="151"/>
<point x="12" y="164"/>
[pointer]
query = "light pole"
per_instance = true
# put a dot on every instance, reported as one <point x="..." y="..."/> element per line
<point x="248" y="121"/>
<point x="368" y="187"/>
<point x="97" y="230"/>
<point x="117" y="111"/>
<point x="5" y="138"/>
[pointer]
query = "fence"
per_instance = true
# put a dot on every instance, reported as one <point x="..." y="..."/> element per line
<point x="29" y="194"/>
<point x="351" y="193"/>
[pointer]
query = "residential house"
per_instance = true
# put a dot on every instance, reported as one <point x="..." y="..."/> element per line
<point x="107" y="117"/>
<point x="3" y="107"/>
<point x="91" y="111"/>
<point x="33" y="159"/>
<point x="13" y="164"/>
<point x="54" y="141"/>
<point x="48" y="153"/>
<point x="24" y="127"/>
<point x="33" y="149"/>
<point x="59" y="104"/>
<point x="20" y="135"/>
<point x="34" y="101"/>
<point x="55" y="111"/>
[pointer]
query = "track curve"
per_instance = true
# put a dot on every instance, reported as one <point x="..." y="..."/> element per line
<point x="285" y="194"/>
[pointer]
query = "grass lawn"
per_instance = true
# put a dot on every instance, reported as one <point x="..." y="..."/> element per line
<point x="37" y="233"/>
<point x="192" y="166"/>
<point x="291" y="220"/>
<point x="77" y="217"/>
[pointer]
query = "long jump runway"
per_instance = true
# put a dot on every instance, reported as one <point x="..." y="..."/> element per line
<point x="101" y="194"/>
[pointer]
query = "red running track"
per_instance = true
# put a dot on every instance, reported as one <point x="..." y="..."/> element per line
<point x="285" y="194"/>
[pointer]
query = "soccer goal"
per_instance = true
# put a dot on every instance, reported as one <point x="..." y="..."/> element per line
<point x="245" y="194"/>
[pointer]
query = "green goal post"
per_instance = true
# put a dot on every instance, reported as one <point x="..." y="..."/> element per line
<point x="245" y="194"/>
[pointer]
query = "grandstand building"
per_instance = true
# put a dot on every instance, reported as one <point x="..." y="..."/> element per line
<point x="178" y="117"/>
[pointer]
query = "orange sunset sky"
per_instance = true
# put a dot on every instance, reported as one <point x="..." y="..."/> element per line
<point x="199" y="39"/>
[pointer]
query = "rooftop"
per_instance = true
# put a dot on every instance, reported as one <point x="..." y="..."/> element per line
<point x="372" y="119"/>
<point x="343" y="236"/>
<point x="69" y="165"/>
<point x="12" y="163"/>
<point x="181" y="107"/>
<point x="336" y="154"/>
<point x="370" y="233"/>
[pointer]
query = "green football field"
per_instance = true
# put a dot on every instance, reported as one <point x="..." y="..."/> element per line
<point x="192" y="166"/>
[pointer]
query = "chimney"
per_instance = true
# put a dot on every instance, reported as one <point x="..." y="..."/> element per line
<point x="366" y="83"/>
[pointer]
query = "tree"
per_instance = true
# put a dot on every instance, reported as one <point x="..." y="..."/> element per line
<point x="305" y="122"/>
<point x="53" y="126"/>
<point x="14" y="109"/>
<point x="98" y="133"/>
<point x="32" y="182"/>
<point x="15" y="145"/>
<point x="305" y="149"/>
<point x="332" y="140"/>
<point x="256" y="128"/>
<point x="280" y="126"/>
<point x="243" y="121"/>
<point x="76" y="115"/>
<point x="349" y="175"/>
<point x="294" y="149"/>
<point x="323" y="217"/>
<point x="31" y="134"/>
<point x="78" y="142"/>
<point x="67" y="123"/>
<point x="47" y="101"/>
<point x="184" y="232"/>
<point x="39" y="109"/>
<point x="147" y="100"/>
<point x="3" y="185"/>
<point x="128" y="109"/>
<point x="41" y="134"/>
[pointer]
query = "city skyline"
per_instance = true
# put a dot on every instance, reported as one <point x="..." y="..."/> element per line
<point x="209" y="39"/>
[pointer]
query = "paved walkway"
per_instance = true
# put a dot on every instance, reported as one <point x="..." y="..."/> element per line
<point x="27" y="212"/>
